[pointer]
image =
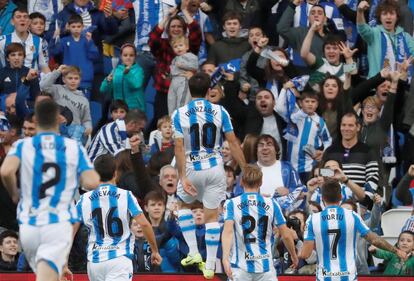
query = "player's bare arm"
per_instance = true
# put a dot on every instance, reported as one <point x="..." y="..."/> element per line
<point x="235" y="149"/>
<point x="379" y="242"/>
<point x="226" y="240"/>
<point x="8" y="176"/>
<point x="306" y="250"/>
<point x="289" y="243"/>
<point x="149" y="235"/>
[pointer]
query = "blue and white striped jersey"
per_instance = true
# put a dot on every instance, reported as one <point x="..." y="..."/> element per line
<point x="33" y="48"/>
<point x="201" y="124"/>
<point x="106" y="212"/>
<point x="345" y="191"/>
<point x="112" y="138"/>
<point x="50" y="166"/>
<point x="334" y="231"/>
<point x="254" y="217"/>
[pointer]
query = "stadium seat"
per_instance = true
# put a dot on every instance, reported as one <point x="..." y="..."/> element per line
<point x="393" y="220"/>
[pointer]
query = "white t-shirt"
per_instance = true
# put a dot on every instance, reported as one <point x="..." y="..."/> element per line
<point x="272" y="178"/>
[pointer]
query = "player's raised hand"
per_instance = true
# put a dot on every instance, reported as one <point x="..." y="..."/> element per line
<point x="156" y="259"/>
<point x="227" y="268"/>
<point x="188" y="187"/>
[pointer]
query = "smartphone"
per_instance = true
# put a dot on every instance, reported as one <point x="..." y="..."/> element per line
<point x="326" y="172"/>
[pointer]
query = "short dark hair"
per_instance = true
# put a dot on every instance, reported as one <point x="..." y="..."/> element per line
<point x="199" y="84"/>
<point x="7" y="233"/>
<point x="229" y="169"/>
<point x="118" y="104"/>
<point x="259" y="90"/>
<point x="21" y="9"/>
<point x="75" y="18"/>
<point x="15" y="123"/>
<point x="310" y="94"/>
<point x="351" y="114"/>
<point x="331" y="191"/>
<point x="29" y="117"/>
<point x="37" y="15"/>
<point x="14" y="47"/>
<point x="135" y="115"/>
<point x="46" y="112"/>
<point x="105" y="166"/>
<point x="155" y="196"/>
<point x="268" y="137"/>
<point x="316" y="205"/>
<point x="231" y="15"/>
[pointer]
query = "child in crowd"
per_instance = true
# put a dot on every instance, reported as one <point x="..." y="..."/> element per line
<point x="37" y="27"/>
<point x="15" y="73"/>
<point x="396" y="266"/>
<point x="8" y="251"/>
<point x="79" y="50"/>
<point x="168" y="245"/>
<point x="118" y="109"/>
<point x="182" y="67"/>
<point x="230" y="181"/>
<point x="311" y="137"/>
<point x="126" y="81"/>
<point x="166" y="141"/>
<point x="141" y="261"/>
<point x="69" y="96"/>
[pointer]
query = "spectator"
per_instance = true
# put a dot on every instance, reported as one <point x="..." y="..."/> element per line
<point x="8" y="250"/>
<point x="141" y="261"/>
<point x="249" y="148"/>
<point x="113" y="137"/>
<point x="168" y="181"/>
<point x="15" y="73"/>
<point x="358" y="161"/>
<point x="11" y="131"/>
<point x="32" y="44"/>
<point x="164" y="125"/>
<point x="118" y="110"/>
<point x="6" y="9"/>
<point x="37" y="27"/>
<point x="182" y="68"/>
<point x="404" y="190"/>
<point x="230" y="181"/>
<point x="262" y="119"/>
<point x="29" y="126"/>
<point x="232" y="46"/>
<point x="126" y="81"/>
<point x="383" y="39"/>
<point x="69" y="96"/>
<point x="49" y="9"/>
<point x="77" y="49"/>
<point x="174" y="26"/>
<point x="308" y="136"/>
<point x="396" y="266"/>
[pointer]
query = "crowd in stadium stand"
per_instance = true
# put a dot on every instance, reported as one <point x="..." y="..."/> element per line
<point x="315" y="90"/>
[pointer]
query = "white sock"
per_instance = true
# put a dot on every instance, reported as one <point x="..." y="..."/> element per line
<point x="188" y="228"/>
<point x="212" y="242"/>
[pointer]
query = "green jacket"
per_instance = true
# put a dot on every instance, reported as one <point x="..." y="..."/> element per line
<point x="127" y="87"/>
<point x="394" y="265"/>
<point x="372" y="35"/>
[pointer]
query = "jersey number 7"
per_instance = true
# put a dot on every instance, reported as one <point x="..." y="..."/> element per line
<point x="334" y="246"/>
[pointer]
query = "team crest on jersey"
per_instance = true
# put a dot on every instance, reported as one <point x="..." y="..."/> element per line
<point x="199" y="102"/>
<point x="251" y="197"/>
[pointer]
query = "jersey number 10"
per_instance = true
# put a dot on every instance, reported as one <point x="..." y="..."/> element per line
<point x="208" y="136"/>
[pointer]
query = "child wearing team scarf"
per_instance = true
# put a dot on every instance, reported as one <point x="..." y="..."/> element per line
<point x="388" y="44"/>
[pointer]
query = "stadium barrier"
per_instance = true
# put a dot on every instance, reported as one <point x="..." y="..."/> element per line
<point x="189" y="277"/>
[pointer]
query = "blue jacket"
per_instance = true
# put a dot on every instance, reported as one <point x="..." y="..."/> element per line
<point x="82" y="53"/>
<point x="101" y="26"/>
<point x="5" y="19"/>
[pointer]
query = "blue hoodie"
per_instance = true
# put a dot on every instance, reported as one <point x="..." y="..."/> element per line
<point x="5" y="18"/>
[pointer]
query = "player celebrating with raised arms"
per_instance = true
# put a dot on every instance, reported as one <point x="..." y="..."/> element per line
<point x="198" y="128"/>
<point x="248" y="228"/>
<point x="107" y="212"/>
<point x="50" y="166"/>
<point x="334" y="231"/>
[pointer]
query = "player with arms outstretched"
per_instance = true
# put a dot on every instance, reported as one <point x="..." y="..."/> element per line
<point x="199" y="128"/>
<point x="334" y="231"/>
<point x="248" y="229"/>
<point x="50" y="166"/>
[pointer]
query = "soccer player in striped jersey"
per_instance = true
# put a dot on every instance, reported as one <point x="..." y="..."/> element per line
<point x="106" y="212"/>
<point x="113" y="137"/>
<point x="248" y="231"/>
<point x="333" y="231"/>
<point x="50" y="166"/>
<point x="199" y="128"/>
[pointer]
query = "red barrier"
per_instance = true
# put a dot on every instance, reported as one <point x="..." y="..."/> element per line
<point x="173" y="277"/>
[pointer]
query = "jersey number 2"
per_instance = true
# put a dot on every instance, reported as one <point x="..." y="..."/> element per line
<point x="208" y="136"/>
<point x="249" y="224"/>
<point x="113" y="224"/>
<point x="53" y="181"/>
<point x="334" y="246"/>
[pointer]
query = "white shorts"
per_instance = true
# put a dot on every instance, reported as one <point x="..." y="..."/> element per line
<point x="118" y="269"/>
<point x="210" y="184"/>
<point x="242" y="275"/>
<point x="50" y="243"/>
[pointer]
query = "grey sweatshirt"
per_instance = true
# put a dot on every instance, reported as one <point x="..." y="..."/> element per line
<point x="74" y="100"/>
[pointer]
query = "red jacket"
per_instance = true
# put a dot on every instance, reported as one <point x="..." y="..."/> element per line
<point x="164" y="54"/>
